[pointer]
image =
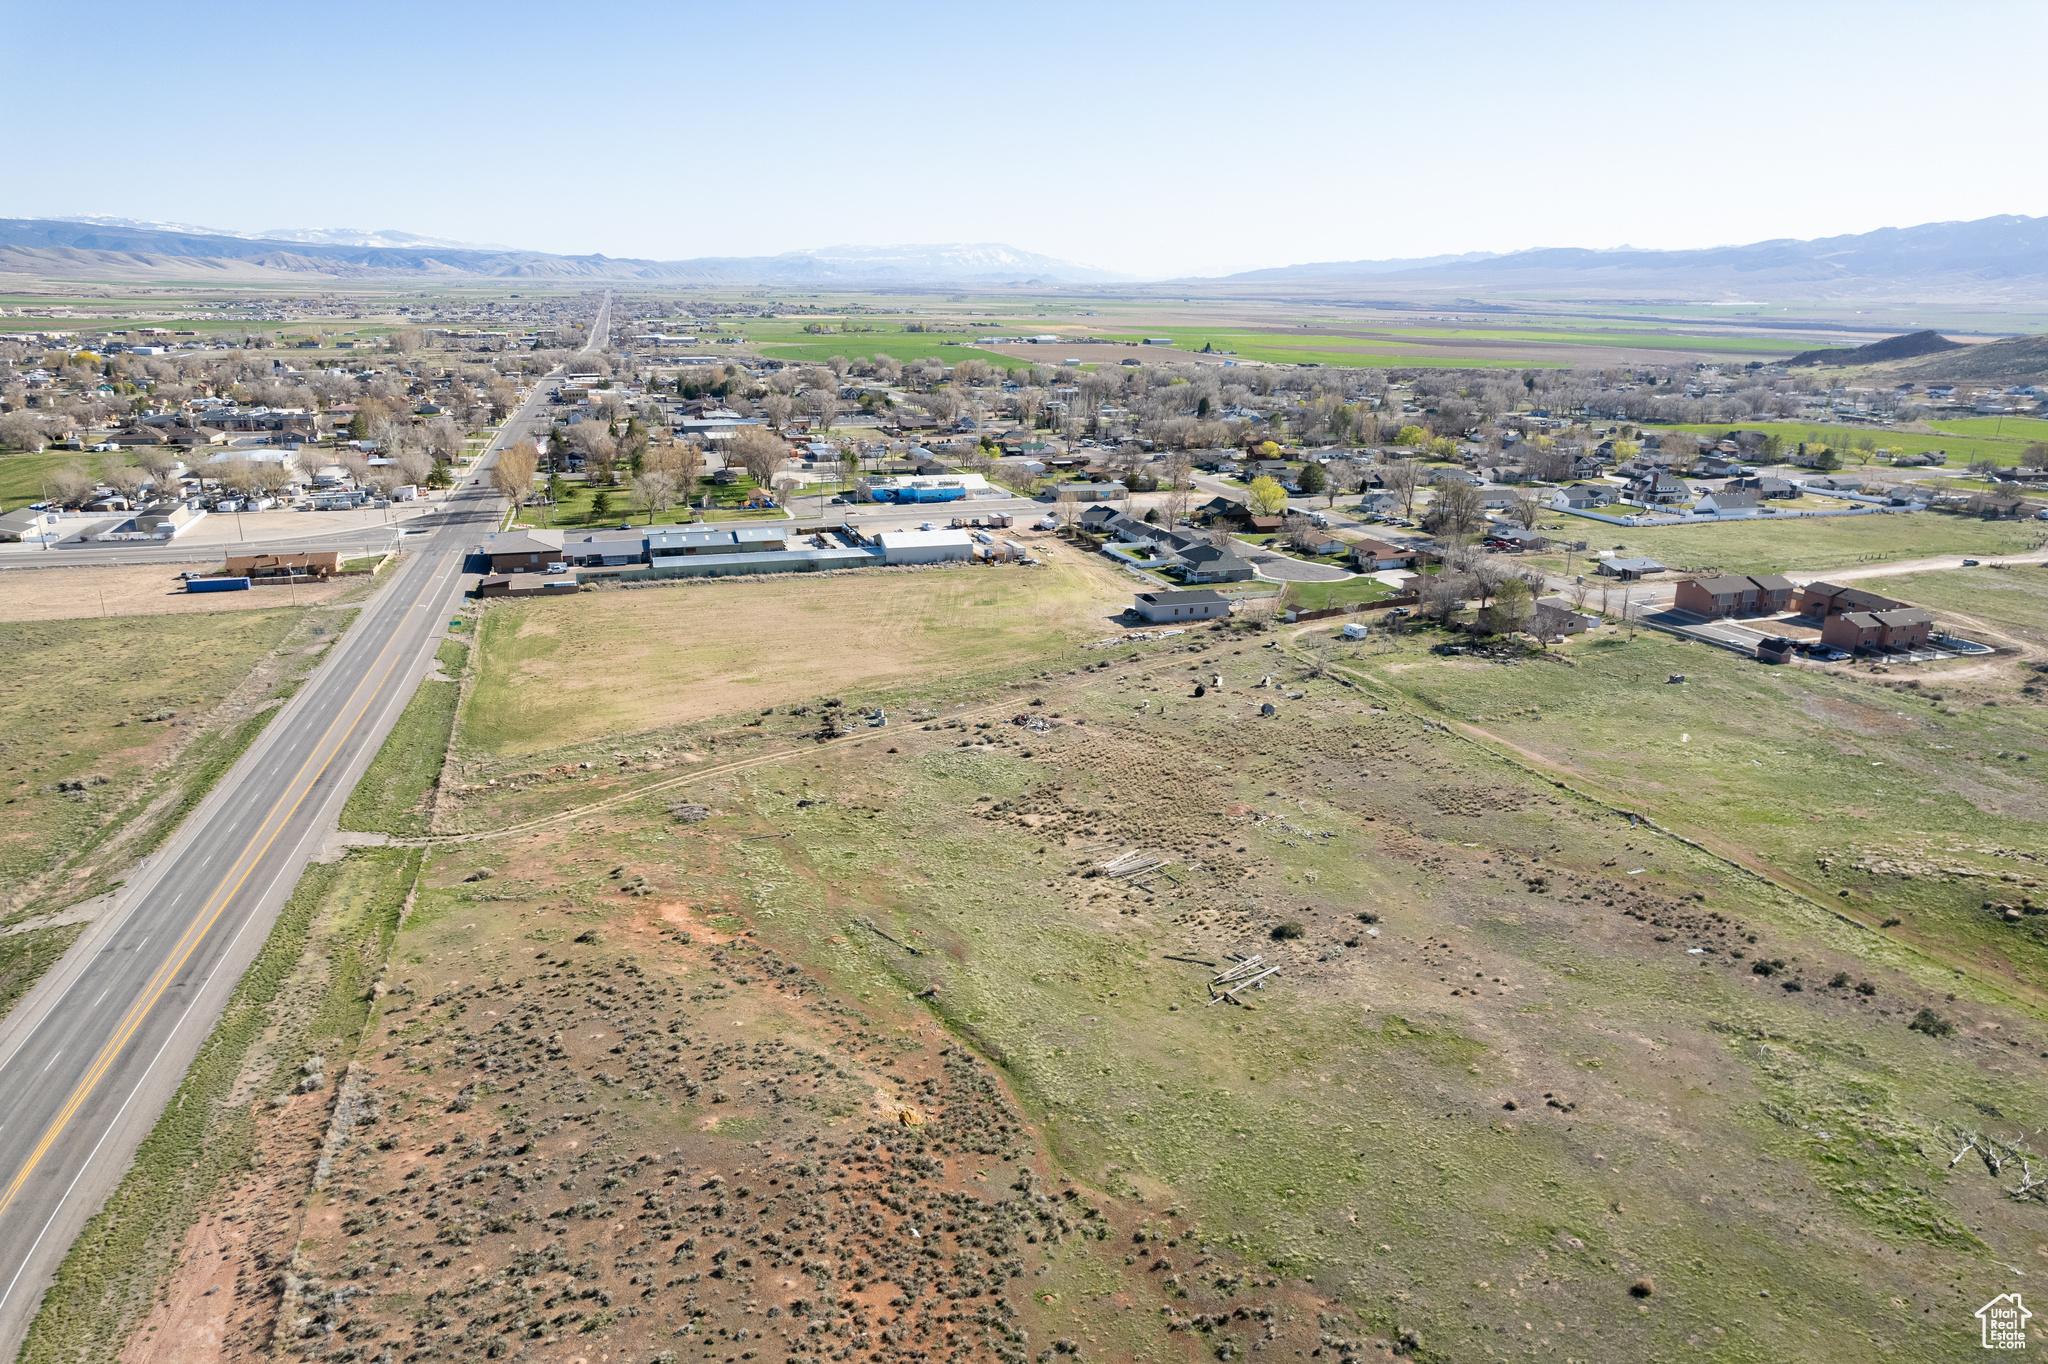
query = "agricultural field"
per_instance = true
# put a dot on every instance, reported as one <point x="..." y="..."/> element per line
<point x="1808" y="545"/>
<point x="112" y="729"/>
<point x="1963" y="448"/>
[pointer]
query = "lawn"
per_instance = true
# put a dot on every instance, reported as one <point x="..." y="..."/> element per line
<point x="1806" y="545"/>
<point x="1317" y="596"/>
<point x="566" y="671"/>
<point x="75" y="706"/>
<point x="22" y="475"/>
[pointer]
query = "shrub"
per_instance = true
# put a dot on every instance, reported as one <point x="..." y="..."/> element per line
<point x="1288" y="931"/>
<point x="1641" y="1288"/>
<point x="1931" y="1023"/>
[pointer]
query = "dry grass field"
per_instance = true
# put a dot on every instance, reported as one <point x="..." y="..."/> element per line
<point x="140" y="590"/>
<point x="617" y="662"/>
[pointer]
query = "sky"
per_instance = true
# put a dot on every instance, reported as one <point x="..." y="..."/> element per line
<point x="1157" y="140"/>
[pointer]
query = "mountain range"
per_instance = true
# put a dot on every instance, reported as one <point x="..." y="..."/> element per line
<point x="2001" y="259"/>
<point x="118" y="248"/>
<point x="2004" y="257"/>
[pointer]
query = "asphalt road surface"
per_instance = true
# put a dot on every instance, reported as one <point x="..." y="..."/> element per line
<point x="91" y="1055"/>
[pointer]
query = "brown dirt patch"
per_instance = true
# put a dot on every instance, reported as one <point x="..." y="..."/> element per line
<point x="137" y="590"/>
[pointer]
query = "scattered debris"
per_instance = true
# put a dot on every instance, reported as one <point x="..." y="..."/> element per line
<point x="689" y="813"/>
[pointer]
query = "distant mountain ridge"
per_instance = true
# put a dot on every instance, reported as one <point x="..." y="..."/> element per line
<point x="321" y="236"/>
<point x="2000" y="257"/>
<point x="41" y="245"/>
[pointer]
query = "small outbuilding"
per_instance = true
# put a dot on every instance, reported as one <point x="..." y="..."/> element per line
<point x="1172" y="607"/>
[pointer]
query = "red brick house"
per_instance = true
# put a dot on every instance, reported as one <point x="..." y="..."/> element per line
<point x="1908" y="627"/>
<point x="1730" y="595"/>
<point x="1821" y="600"/>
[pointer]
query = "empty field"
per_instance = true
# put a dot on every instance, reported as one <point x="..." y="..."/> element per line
<point x="111" y="729"/>
<point x="1520" y="1042"/>
<point x="142" y="590"/>
<point x="559" y="672"/>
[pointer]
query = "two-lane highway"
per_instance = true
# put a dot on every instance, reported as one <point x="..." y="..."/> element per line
<point x="90" y="1056"/>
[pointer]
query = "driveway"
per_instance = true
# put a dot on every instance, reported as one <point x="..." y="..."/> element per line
<point x="1281" y="569"/>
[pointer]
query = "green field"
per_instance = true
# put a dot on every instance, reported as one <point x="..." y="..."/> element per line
<point x="1809" y="544"/>
<point x="22" y="475"/>
<point x="1963" y="449"/>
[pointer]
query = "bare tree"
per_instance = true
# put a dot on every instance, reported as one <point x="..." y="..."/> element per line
<point x="1525" y="509"/>
<point x="824" y="406"/>
<point x="125" y="479"/>
<point x="1068" y="507"/>
<point x="759" y="452"/>
<point x="23" y="431"/>
<point x="777" y="407"/>
<point x="69" y="485"/>
<point x="512" y="474"/>
<point x="157" y="461"/>
<point x="1455" y="512"/>
<point x="1401" y="478"/>
<point x="656" y="490"/>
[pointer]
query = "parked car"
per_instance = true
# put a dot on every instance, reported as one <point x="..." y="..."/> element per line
<point x="836" y="502"/>
<point x="1969" y="563"/>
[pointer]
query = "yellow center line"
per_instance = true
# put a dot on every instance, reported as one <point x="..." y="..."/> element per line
<point x="210" y="913"/>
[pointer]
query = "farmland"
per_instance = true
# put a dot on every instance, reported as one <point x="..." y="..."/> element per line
<point x="1964" y="447"/>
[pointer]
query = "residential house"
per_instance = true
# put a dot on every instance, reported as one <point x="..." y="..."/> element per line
<point x="1730" y="595"/>
<point x="1213" y="564"/>
<point x="1905" y="627"/>
<point x="1320" y="545"/>
<point x="1515" y="538"/>
<point x="1377" y="556"/>
<point x="1657" y="486"/>
<point x="1629" y="570"/>
<point x="1564" y="618"/>
<point x="1821" y="600"/>
<point x="1092" y="492"/>
<point x="523" y="551"/>
<point x="1762" y="486"/>
<point x="1580" y="497"/>
<point x="1177" y="607"/>
<point x="1727" y="503"/>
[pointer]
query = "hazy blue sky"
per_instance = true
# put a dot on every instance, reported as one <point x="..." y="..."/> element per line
<point x="1156" y="139"/>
